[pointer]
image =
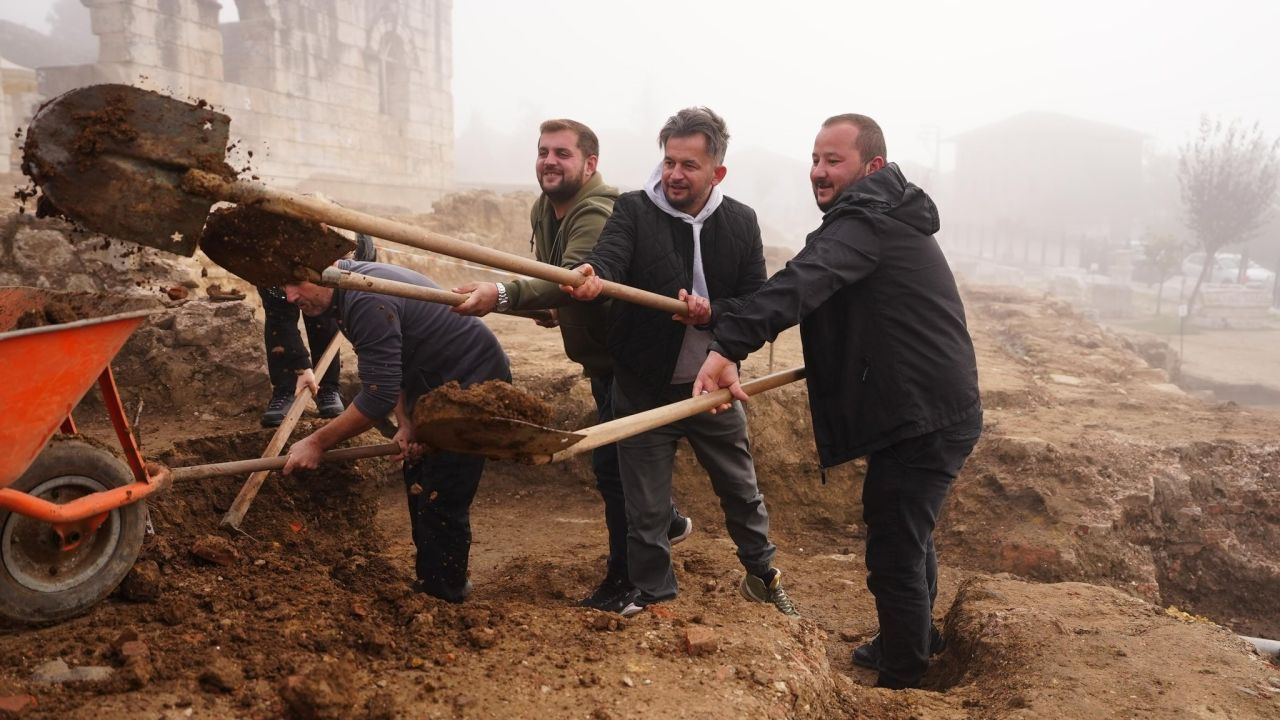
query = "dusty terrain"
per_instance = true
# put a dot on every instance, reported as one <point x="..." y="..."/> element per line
<point x="1099" y="496"/>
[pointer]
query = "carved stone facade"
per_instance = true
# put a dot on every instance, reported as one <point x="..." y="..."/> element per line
<point x="346" y="97"/>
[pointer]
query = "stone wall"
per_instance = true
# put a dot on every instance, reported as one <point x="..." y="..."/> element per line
<point x="17" y="102"/>
<point x="347" y="97"/>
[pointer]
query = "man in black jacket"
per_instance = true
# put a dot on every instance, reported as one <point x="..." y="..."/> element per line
<point x="657" y="239"/>
<point x="890" y="368"/>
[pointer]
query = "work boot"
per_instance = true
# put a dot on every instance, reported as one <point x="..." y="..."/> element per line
<point x="680" y="528"/>
<point x="768" y="590"/>
<point x="868" y="654"/>
<point x="277" y="408"/>
<point x="329" y="403"/>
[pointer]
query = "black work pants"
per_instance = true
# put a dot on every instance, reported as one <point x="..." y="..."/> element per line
<point x="285" y="351"/>
<point x="441" y="487"/>
<point x="604" y="463"/>
<point x="902" y="495"/>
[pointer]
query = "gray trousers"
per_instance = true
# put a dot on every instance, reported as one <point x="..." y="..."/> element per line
<point x="722" y="448"/>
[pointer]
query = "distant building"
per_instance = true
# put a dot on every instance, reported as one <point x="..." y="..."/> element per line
<point x="348" y="97"/>
<point x="1047" y="189"/>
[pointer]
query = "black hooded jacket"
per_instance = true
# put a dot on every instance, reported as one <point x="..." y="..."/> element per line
<point x="887" y="353"/>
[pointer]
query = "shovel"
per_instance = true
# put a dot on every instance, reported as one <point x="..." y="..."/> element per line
<point x="508" y="439"/>
<point x="143" y="167"/>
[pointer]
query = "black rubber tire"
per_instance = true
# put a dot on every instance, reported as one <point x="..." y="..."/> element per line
<point x="26" y="605"/>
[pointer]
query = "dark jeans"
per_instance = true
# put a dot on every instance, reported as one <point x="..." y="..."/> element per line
<point x="440" y="514"/>
<point x="902" y="495"/>
<point x="285" y="352"/>
<point x="604" y="462"/>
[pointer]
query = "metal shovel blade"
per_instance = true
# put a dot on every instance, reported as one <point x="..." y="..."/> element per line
<point x="496" y="438"/>
<point x="111" y="157"/>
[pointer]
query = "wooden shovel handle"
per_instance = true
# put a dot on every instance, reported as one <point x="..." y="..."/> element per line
<point x="250" y="489"/>
<point x="294" y="205"/>
<point x="348" y="280"/>
<point x="631" y="425"/>
<point x="200" y="472"/>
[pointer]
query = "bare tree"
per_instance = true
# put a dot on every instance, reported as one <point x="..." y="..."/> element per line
<point x="1163" y="252"/>
<point x="1228" y="177"/>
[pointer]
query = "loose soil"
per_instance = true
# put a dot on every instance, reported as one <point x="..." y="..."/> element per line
<point x="266" y="249"/>
<point x="492" y="398"/>
<point x="1098" y="496"/>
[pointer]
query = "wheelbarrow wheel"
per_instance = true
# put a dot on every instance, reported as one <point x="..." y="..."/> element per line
<point x="39" y="581"/>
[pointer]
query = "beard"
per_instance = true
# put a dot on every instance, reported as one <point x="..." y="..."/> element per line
<point x="568" y="186"/>
<point x="683" y="204"/>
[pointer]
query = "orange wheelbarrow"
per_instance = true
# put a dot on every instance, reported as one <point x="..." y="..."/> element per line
<point x="72" y="518"/>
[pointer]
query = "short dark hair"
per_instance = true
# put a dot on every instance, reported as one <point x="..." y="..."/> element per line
<point x="698" y="120"/>
<point x="870" y="142"/>
<point x="588" y="143"/>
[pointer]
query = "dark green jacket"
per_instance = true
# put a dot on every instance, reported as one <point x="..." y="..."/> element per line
<point x="583" y="326"/>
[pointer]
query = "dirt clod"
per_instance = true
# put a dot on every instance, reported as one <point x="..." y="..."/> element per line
<point x="325" y="692"/>
<point x="215" y="549"/>
<point x="265" y="249"/>
<point x="143" y="583"/>
<point x="222" y="674"/>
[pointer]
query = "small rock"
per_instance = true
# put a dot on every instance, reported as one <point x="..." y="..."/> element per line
<point x="850" y="636"/>
<point x="1070" y="380"/>
<point x="221" y="674"/>
<point x="143" y="583"/>
<point x="760" y="678"/>
<point x="482" y="637"/>
<point x="13" y="705"/>
<point x="606" y="622"/>
<point x="177" y="292"/>
<point x="134" y="649"/>
<point x="700" y="641"/>
<point x="126" y="635"/>
<point x="601" y="714"/>
<point x="53" y="671"/>
<point x="725" y="672"/>
<point x="626" y="680"/>
<point x="215" y="549"/>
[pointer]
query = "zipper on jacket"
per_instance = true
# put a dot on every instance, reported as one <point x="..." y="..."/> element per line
<point x="866" y="368"/>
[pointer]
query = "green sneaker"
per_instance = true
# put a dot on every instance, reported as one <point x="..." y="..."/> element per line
<point x="756" y="590"/>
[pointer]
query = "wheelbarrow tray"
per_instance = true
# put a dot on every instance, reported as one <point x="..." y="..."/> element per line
<point x="47" y="371"/>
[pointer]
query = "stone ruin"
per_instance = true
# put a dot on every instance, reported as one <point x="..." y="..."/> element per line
<point x="350" y="98"/>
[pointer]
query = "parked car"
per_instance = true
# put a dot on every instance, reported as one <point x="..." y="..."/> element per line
<point x="1226" y="269"/>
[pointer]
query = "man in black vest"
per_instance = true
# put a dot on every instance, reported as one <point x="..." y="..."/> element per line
<point x="890" y="368"/>
<point x="657" y="239"/>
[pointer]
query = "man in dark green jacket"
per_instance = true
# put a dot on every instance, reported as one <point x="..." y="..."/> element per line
<point x="567" y="219"/>
<point x="890" y="367"/>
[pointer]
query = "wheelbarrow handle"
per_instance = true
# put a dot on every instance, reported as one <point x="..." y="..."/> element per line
<point x="348" y="280"/>
<point x="294" y="205"/>
<point x="239" y="467"/>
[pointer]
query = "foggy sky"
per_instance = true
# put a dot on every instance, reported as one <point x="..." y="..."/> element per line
<point x="923" y="69"/>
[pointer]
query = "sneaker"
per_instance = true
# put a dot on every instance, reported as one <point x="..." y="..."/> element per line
<point x="680" y="529"/>
<point x="868" y="654"/>
<point x="277" y="408"/>
<point x="611" y="590"/>
<point x="756" y="589"/>
<point x="329" y="403"/>
<point x="632" y="604"/>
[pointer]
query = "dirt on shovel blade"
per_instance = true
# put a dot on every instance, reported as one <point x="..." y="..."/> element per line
<point x="265" y="249"/>
<point x="490" y="399"/>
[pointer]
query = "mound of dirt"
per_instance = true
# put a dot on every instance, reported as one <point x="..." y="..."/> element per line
<point x="1016" y="649"/>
